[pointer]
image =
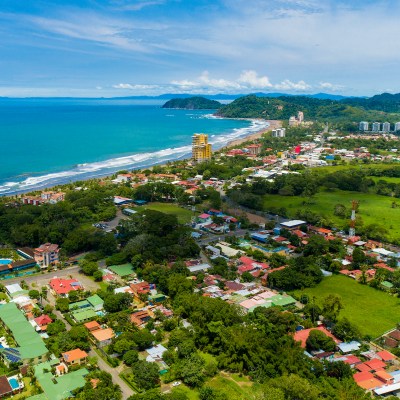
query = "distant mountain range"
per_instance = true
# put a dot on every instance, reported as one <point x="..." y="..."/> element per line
<point x="219" y="96"/>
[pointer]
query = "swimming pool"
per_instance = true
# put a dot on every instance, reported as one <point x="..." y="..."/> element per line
<point x="13" y="383"/>
<point x="5" y="261"/>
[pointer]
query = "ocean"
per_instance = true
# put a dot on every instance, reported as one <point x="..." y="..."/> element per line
<point x="46" y="142"/>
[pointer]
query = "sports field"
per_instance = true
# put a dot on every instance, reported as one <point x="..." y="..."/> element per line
<point x="373" y="208"/>
<point x="183" y="214"/>
<point x="371" y="310"/>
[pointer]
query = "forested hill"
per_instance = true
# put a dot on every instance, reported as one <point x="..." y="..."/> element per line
<point x="193" y="103"/>
<point x="314" y="109"/>
<point x="384" y="102"/>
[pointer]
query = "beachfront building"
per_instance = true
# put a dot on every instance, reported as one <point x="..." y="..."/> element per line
<point x="279" y="132"/>
<point x="47" y="254"/>
<point x="201" y="149"/>
<point x="364" y="126"/>
<point x="254" y="149"/>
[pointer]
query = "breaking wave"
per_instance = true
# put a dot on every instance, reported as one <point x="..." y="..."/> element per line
<point x="134" y="161"/>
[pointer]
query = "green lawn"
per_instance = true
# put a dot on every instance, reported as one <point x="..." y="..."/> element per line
<point x="372" y="208"/>
<point x="183" y="214"/>
<point x="373" y="311"/>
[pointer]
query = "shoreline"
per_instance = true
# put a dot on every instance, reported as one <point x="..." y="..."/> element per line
<point x="272" y="124"/>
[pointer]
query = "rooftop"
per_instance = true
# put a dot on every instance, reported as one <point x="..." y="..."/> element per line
<point x="73" y="355"/>
<point x="30" y="343"/>
<point x="103" y="334"/>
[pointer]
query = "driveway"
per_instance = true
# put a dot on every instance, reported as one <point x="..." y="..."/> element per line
<point x="125" y="389"/>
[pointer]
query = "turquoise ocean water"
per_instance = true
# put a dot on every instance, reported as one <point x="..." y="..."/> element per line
<point x="44" y="142"/>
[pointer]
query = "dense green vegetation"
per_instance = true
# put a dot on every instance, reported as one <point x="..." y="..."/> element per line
<point x="384" y="102"/>
<point x="193" y="103"/>
<point x="314" y="109"/>
<point x="67" y="223"/>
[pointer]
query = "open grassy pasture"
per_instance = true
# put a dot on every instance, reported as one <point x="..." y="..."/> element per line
<point x="235" y="387"/>
<point x="183" y="214"/>
<point x="371" y="310"/>
<point x="373" y="208"/>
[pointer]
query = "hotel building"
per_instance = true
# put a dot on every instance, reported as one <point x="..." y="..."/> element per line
<point x="201" y="149"/>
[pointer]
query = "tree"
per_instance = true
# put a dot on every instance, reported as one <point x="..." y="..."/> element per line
<point x="331" y="307"/>
<point x="318" y="340"/>
<point x="358" y="257"/>
<point x="55" y="327"/>
<point x="316" y="246"/>
<point x="73" y="296"/>
<point x="117" y="302"/>
<point x="294" y="388"/>
<point x="88" y="267"/>
<point x="62" y="304"/>
<point x="346" y="331"/>
<point x="130" y="357"/>
<point x="338" y="370"/>
<point x="146" y="374"/>
<point x="34" y="294"/>
<point x="122" y="346"/>
<point x="98" y="276"/>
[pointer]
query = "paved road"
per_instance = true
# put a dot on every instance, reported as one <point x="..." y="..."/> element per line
<point x="47" y="275"/>
<point x="126" y="390"/>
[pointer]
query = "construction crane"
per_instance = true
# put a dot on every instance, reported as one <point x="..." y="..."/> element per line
<point x="352" y="230"/>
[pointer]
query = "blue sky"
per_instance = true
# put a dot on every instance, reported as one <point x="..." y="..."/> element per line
<point x="135" y="47"/>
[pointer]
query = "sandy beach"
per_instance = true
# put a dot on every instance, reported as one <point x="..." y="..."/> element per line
<point x="273" y="124"/>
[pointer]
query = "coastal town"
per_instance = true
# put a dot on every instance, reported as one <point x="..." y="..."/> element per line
<point x="145" y="293"/>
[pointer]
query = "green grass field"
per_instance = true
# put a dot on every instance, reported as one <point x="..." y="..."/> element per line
<point x="371" y="310"/>
<point x="372" y="207"/>
<point x="183" y="214"/>
<point x="235" y="387"/>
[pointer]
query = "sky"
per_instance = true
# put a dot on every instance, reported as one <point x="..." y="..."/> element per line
<point x="103" y="48"/>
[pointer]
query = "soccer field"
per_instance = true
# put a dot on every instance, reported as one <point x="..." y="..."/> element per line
<point x="371" y="310"/>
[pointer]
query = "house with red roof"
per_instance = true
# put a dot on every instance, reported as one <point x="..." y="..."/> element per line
<point x="247" y="264"/>
<point x="386" y="356"/>
<point x="366" y="380"/>
<point x="61" y="287"/>
<point x="74" y="357"/>
<point x="43" y="321"/>
<point x="302" y="336"/>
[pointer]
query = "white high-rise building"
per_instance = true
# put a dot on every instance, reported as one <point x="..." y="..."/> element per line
<point x="386" y="127"/>
<point x="279" y="132"/>
<point x="364" y="126"/>
<point x="376" y="127"/>
<point x="397" y="126"/>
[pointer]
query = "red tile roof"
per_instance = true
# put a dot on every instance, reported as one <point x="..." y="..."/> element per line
<point x="64" y="286"/>
<point x="386" y="355"/>
<point x="43" y="320"/>
<point x="302" y="336"/>
<point x="74" y="355"/>
<point x="376" y="364"/>
<point x="362" y="376"/>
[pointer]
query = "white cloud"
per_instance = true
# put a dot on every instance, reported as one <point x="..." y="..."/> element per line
<point x="330" y="86"/>
<point x="252" y="79"/>
<point x="295" y="86"/>
<point x="248" y="81"/>
<point x="134" y="87"/>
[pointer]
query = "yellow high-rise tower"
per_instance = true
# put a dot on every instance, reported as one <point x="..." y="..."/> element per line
<point x="201" y="149"/>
